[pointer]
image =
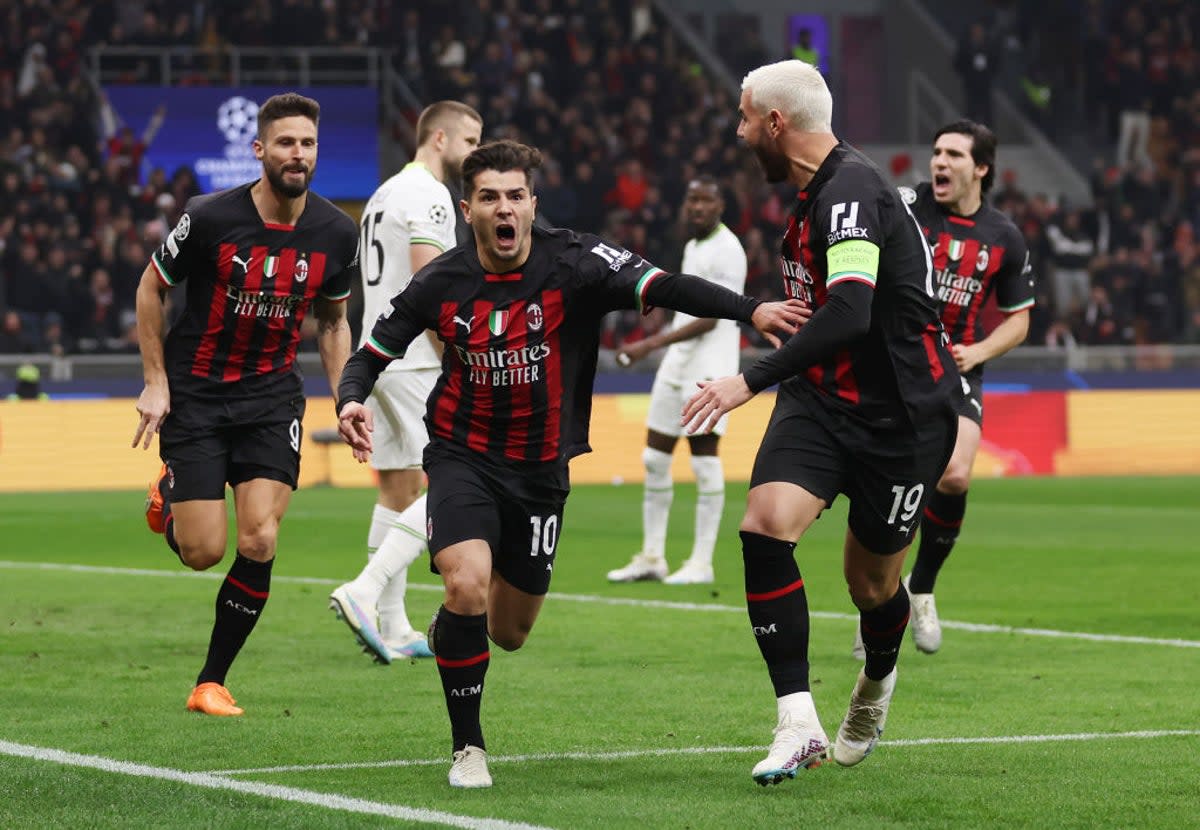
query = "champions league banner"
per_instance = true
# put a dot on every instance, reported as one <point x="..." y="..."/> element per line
<point x="210" y="129"/>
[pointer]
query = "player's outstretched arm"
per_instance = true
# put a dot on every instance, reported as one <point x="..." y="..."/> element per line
<point x="1004" y="338"/>
<point x="155" y="400"/>
<point x="333" y="338"/>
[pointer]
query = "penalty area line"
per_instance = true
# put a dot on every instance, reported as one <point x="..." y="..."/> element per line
<point x="632" y="602"/>
<point x="274" y="791"/>
<point x="715" y="750"/>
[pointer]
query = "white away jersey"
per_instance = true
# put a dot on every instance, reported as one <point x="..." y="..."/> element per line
<point x="411" y="207"/>
<point x="719" y="258"/>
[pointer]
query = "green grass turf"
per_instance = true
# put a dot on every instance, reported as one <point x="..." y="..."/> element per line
<point x="100" y="663"/>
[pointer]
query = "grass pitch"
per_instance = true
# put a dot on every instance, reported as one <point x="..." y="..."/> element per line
<point x="1064" y="694"/>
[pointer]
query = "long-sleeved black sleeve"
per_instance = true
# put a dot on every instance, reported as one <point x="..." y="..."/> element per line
<point x="358" y="377"/>
<point x="699" y="297"/>
<point x="843" y="318"/>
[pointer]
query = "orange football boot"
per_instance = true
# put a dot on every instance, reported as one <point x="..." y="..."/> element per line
<point x="156" y="511"/>
<point x="213" y="699"/>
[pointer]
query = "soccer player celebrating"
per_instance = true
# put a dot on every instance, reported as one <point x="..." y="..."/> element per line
<point x="865" y="407"/>
<point x="519" y="315"/>
<point x="977" y="250"/>
<point x="697" y="350"/>
<point x="408" y="221"/>
<point x="223" y="391"/>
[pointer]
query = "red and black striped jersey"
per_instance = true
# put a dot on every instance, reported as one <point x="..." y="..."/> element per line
<point x="520" y="347"/>
<point x="249" y="284"/>
<point x="902" y="364"/>
<point x="973" y="256"/>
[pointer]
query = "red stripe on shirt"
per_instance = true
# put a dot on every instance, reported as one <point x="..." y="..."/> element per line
<point x="207" y="349"/>
<point x="520" y="410"/>
<point x="995" y="260"/>
<point x="275" y="226"/>
<point x="244" y="325"/>
<point x="930" y="338"/>
<point x="843" y="377"/>
<point x="448" y="398"/>
<point x="941" y="252"/>
<point x="502" y="277"/>
<point x="284" y="274"/>
<point x="316" y="274"/>
<point x="777" y="593"/>
<point x="552" y="310"/>
<point x="479" y="419"/>
<point x="958" y="220"/>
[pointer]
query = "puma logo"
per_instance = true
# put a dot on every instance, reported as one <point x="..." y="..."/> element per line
<point x="244" y="263"/>
<point x="466" y="324"/>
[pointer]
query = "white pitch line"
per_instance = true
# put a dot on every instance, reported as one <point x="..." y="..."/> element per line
<point x="711" y="750"/>
<point x="977" y="628"/>
<point x="215" y="782"/>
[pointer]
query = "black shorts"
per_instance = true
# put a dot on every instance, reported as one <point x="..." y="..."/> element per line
<point x="518" y="512"/>
<point x="888" y="474"/>
<point x="208" y="442"/>
<point x="970" y="405"/>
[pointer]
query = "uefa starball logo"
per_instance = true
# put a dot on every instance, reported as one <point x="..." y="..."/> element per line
<point x="237" y="122"/>
<point x="237" y="119"/>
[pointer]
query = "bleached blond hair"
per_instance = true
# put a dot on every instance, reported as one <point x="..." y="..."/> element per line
<point x="797" y="90"/>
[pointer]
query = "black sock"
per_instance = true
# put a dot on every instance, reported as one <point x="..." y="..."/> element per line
<point x="882" y="631"/>
<point x="461" y="646"/>
<point x="939" y="531"/>
<point x="164" y="490"/>
<point x="169" y="534"/>
<point x="240" y="603"/>
<point x="778" y="607"/>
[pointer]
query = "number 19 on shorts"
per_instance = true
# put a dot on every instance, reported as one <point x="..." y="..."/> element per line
<point x="905" y="501"/>
<point x="545" y="534"/>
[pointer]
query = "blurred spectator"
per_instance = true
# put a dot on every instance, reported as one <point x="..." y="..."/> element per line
<point x="977" y="64"/>
<point x="14" y="339"/>
<point x="1071" y="251"/>
<point x="124" y="148"/>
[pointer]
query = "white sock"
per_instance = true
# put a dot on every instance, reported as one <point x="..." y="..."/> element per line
<point x="657" y="494"/>
<point x="710" y="501"/>
<point x="405" y="542"/>
<point x="368" y="584"/>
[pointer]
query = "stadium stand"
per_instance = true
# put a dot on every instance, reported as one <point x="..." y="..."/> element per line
<point x="626" y="116"/>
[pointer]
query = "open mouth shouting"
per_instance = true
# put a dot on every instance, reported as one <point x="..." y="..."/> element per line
<point x="943" y="185"/>
<point x="506" y="237"/>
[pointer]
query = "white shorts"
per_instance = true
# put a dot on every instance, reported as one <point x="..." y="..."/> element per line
<point x="398" y="405"/>
<point x="666" y="408"/>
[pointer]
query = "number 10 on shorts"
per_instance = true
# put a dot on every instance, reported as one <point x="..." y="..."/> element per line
<point x="545" y="534"/>
<point x="907" y="498"/>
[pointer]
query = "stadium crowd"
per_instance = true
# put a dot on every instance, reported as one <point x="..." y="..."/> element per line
<point x="625" y="116"/>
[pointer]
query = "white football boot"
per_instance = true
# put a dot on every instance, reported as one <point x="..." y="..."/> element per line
<point x="642" y="568"/>
<point x="470" y="768"/>
<point x="860" y="731"/>
<point x="926" y="627"/>
<point x="799" y="744"/>
<point x="691" y="573"/>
